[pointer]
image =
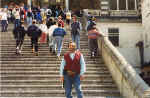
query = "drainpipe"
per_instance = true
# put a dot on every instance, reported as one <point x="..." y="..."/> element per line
<point x="140" y="44"/>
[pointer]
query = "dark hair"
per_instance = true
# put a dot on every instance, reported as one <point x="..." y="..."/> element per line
<point x="59" y="25"/>
<point x="54" y="22"/>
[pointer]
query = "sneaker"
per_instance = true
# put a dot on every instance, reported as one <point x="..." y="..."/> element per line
<point x="92" y="54"/>
<point x="19" y="52"/>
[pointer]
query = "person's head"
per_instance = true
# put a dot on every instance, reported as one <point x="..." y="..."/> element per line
<point x="59" y="17"/>
<point x="43" y="21"/>
<point x="93" y="18"/>
<point x="34" y="22"/>
<point x="59" y="25"/>
<point x="54" y="23"/>
<point x="74" y="18"/>
<point x="72" y="46"/>
<point x="94" y="25"/>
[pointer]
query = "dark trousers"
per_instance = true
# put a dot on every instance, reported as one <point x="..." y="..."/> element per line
<point x="34" y="43"/>
<point x="93" y="46"/>
<point x="19" y="43"/>
<point x="17" y="23"/>
<point x="4" y="25"/>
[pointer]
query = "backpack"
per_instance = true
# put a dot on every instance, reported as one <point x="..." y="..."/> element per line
<point x="75" y="28"/>
<point x="34" y="31"/>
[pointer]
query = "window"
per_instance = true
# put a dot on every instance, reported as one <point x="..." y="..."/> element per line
<point x="113" y="4"/>
<point x="113" y="35"/>
<point x="122" y="4"/>
<point x="131" y="4"/>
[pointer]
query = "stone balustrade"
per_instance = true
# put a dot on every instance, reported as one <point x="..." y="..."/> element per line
<point x="128" y="81"/>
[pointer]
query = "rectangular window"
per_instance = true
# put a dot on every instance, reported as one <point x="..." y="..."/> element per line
<point x="113" y="35"/>
<point x="131" y="4"/>
<point x="113" y="4"/>
<point x="122" y="4"/>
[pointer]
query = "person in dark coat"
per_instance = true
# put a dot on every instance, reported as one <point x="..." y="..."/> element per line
<point x="34" y="32"/>
<point x="19" y="34"/>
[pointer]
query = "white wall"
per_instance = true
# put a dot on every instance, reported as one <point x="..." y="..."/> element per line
<point x="130" y="34"/>
<point x="146" y="27"/>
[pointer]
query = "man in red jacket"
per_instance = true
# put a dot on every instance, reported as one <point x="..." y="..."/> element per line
<point x="72" y="70"/>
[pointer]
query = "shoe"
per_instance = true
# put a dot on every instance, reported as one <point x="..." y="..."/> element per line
<point x="32" y="50"/>
<point x="54" y="52"/>
<point x="58" y="57"/>
<point x="19" y="52"/>
<point x="50" y="49"/>
<point x="93" y="54"/>
<point x="36" y="53"/>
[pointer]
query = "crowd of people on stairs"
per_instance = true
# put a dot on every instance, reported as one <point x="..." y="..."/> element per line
<point x="45" y="28"/>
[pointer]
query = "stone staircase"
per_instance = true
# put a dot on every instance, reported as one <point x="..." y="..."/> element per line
<point x="27" y="75"/>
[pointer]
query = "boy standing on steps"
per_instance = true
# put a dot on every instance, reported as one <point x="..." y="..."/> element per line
<point x="19" y="33"/>
<point x="71" y="71"/>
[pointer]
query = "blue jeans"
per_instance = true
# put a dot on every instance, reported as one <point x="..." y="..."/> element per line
<point x="58" y="40"/>
<point x="4" y="25"/>
<point x="29" y="21"/>
<point x="17" y="23"/>
<point x="69" y="81"/>
<point x="76" y="39"/>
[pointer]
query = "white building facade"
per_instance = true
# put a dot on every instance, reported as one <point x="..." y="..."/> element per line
<point x="146" y="27"/>
<point x="128" y="35"/>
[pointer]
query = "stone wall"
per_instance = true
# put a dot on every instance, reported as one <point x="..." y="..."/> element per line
<point x="128" y="81"/>
<point x="146" y="27"/>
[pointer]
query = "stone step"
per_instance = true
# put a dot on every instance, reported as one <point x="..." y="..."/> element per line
<point x="55" y="82"/>
<point x="49" y="76"/>
<point x="8" y="64"/>
<point x="43" y="59"/>
<point x="46" y="62"/>
<point x="45" y="65"/>
<point x="55" y="87"/>
<point x="57" y="93"/>
<point x="52" y="72"/>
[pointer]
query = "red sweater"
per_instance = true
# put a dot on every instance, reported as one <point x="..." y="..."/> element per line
<point x="93" y="34"/>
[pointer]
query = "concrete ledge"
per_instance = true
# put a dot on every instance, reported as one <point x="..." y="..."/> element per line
<point x="128" y="81"/>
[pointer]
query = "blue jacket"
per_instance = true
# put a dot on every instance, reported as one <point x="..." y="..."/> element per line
<point x="59" y="32"/>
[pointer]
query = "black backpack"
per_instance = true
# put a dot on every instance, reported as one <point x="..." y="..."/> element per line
<point x="34" y="31"/>
<point x="75" y="28"/>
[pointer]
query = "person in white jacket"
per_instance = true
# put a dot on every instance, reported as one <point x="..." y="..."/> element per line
<point x="50" y="33"/>
<point x="44" y="30"/>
